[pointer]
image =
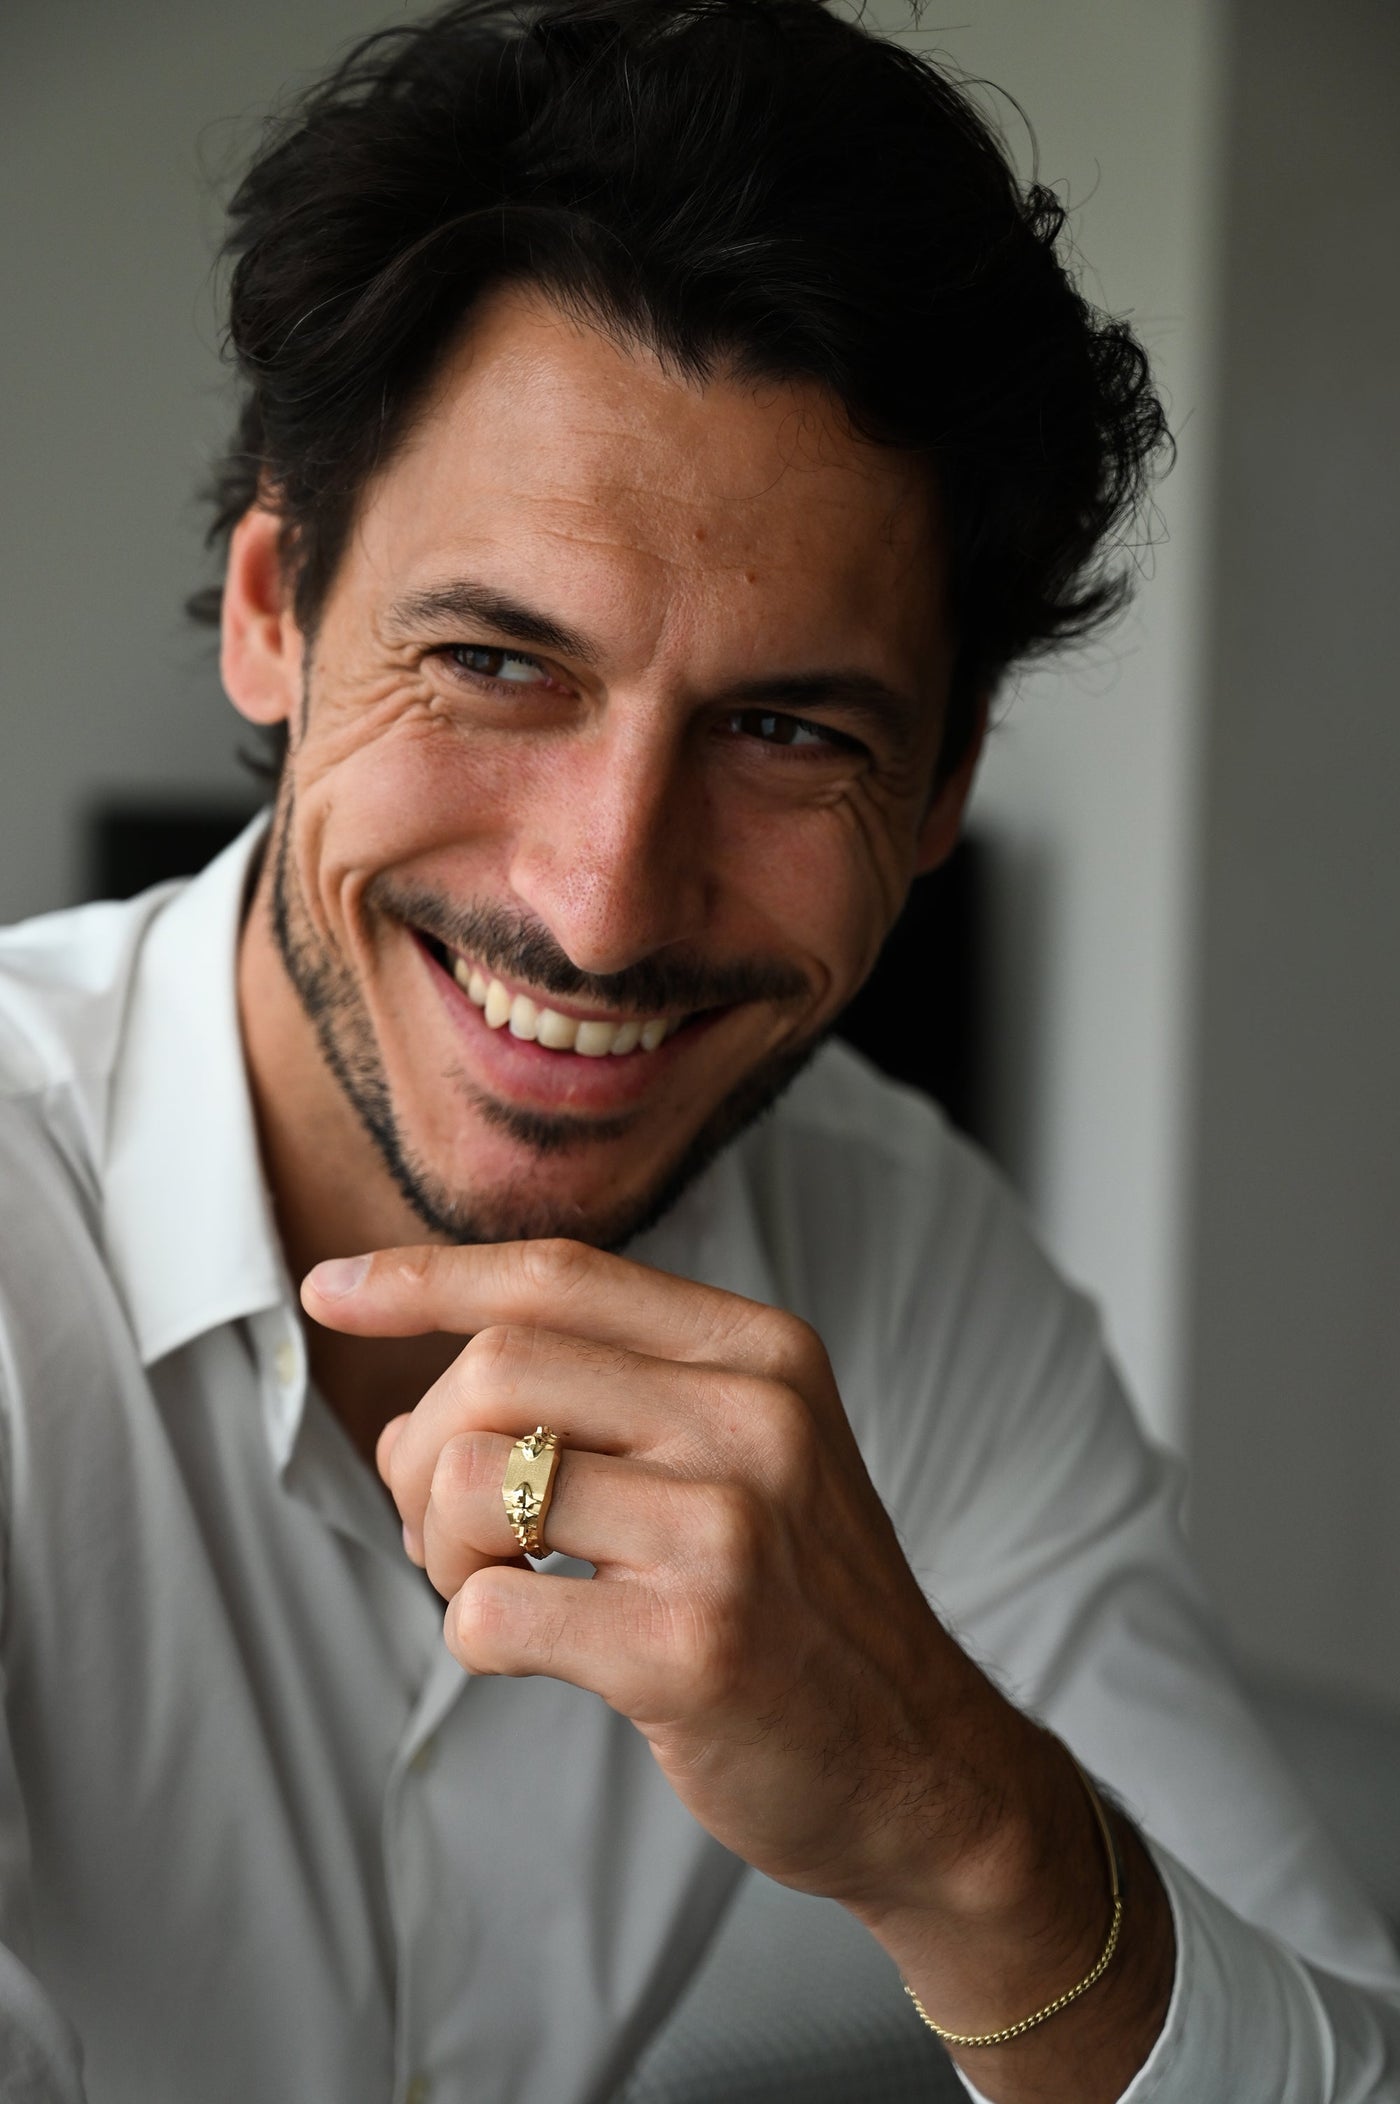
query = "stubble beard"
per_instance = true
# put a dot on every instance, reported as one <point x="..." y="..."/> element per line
<point x="331" y="1000"/>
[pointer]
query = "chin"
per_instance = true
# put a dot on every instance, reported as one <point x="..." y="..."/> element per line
<point x="562" y="1175"/>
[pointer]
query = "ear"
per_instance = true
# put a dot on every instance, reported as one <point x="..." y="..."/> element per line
<point x="938" y="832"/>
<point x="262" y="649"/>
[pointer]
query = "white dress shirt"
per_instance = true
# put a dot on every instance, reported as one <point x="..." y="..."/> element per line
<point x="263" y="1842"/>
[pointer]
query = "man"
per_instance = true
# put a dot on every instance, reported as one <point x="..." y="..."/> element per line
<point x="664" y="423"/>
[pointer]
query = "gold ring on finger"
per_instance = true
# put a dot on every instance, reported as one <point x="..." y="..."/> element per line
<point x="529" y="1486"/>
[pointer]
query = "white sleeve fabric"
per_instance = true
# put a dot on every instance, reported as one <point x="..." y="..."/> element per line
<point x="1044" y="1530"/>
<point x="1251" y="2023"/>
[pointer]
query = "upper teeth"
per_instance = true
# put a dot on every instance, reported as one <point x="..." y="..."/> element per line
<point x="562" y="1033"/>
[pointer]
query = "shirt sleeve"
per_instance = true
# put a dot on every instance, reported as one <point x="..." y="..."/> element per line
<point x="1250" y="2022"/>
<point x="1045" y="1531"/>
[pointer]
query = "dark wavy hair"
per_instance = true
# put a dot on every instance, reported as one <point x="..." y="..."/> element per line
<point x="754" y="184"/>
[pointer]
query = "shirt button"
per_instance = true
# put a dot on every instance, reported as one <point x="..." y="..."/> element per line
<point x="421" y="1762"/>
<point x="417" y="2091"/>
<point x="284" y="1359"/>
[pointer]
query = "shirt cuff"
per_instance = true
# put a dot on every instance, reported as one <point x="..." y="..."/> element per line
<point x="1249" y="2022"/>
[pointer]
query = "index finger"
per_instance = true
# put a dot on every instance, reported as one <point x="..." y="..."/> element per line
<point x="560" y="1285"/>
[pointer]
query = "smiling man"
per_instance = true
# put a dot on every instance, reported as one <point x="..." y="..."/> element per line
<point x="664" y="423"/>
<point x="682" y="653"/>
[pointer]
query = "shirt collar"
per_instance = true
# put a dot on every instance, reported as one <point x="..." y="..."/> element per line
<point x="188" y="1221"/>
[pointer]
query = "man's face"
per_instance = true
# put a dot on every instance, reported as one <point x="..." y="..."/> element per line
<point x="611" y="768"/>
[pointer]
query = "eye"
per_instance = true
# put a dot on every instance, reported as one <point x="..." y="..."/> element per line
<point x="498" y="668"/>
<point x="767" y="727"/>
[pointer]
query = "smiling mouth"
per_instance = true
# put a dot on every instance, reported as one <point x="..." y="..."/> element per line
<point x="507" y="1008"/>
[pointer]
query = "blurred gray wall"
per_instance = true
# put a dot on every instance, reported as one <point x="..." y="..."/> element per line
<point x="1295" y="1326"/>
<point x="1089" y="791"/>
<point x="116" y="124"/>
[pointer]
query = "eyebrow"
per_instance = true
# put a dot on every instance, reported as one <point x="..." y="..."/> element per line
<point x="855" y="692"/>
<point x="482" y="603"/>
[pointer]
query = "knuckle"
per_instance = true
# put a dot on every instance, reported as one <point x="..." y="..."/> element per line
<point x="780" y="1346"/>
<point x="800" y="1353"/>
<point x="491" y="1351"/>
<point x="730" y="1531"/>
<point x="399" y="1469"/>
<point x="458" y="1471"/>
<point x="708" y="1646"/>
<point x="494" y="1355"/>
<point x="415" y="1264"/>
<point x="604" y="1362"/>
<point x="780" y="1409"/>
<point x="783" y="1422"/>
<point x="478" y="1619"/>
<point x="555" y="1265"/>
<point x="794" y="1474"/>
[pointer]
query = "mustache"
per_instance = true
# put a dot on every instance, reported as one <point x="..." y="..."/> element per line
<point x="514" y="947"/>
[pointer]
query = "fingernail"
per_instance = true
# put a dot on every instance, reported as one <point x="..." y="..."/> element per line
<point x="337" y="1276"/>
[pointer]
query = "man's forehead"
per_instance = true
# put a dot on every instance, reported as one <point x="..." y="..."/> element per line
<point x="711" y="536"/>
<point x="541" y="418"/>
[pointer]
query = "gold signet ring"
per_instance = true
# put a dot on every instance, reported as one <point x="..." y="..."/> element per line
<point x="529" y="1486"/>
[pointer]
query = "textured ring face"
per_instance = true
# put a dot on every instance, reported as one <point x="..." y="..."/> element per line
<point x="529" y="1486"/>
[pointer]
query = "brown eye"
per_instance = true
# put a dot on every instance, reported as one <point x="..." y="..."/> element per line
<point x="770" y="728"/>
<point x="505" y="668"/>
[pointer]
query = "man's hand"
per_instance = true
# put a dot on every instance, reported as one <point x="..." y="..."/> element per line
<point x="752" y="1611"/>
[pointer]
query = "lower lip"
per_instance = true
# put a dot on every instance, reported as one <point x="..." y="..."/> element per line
<point x="519" y="1071"/>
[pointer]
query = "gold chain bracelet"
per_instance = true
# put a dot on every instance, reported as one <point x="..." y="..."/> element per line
<point x="1071" y="1994"/>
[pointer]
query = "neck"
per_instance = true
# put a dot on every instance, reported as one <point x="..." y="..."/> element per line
<point x="331" y="1193"/>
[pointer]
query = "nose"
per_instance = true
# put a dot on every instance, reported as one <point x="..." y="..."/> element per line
<point x="610" y="856"/>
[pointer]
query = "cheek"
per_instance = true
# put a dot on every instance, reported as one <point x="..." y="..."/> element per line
<point x="822" y="885"/>
<point x="419" y="803"/>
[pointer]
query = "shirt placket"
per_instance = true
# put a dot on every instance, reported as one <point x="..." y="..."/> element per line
<point x="408" y="1837"/>
<point x="411" y="1841"/>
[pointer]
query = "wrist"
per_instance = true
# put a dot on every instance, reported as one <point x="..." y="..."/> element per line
<point x="1021" y="1918"/>
<point x="1018" y="2027"/>
<point x="1016" y="1906"/>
